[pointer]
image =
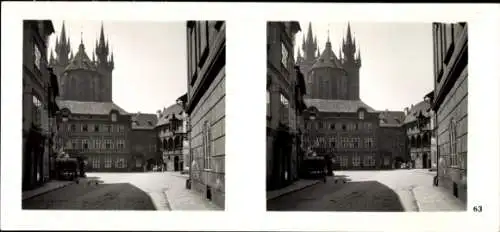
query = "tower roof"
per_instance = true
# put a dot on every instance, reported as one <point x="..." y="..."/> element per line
<point x="81" y="60"/>
<point x="328" y="58"/>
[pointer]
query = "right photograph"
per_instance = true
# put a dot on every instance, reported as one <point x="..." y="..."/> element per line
<point x="367" y="116"/>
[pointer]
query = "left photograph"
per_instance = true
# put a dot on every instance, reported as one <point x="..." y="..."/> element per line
<point x="123" y="115"/>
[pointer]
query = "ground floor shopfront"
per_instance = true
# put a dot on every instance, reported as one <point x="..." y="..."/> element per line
<point x="36" y="164"/>
<point x="283" y="153"/>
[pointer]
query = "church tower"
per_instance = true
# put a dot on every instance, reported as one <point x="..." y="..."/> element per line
<point x="105" y="66"/>
<point x="80" y="78"/>
<point x="352" y="63"/>
<point x="310" y="51"/>
<point x="63" y="56"/>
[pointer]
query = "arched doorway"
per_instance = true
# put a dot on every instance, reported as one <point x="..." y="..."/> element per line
<point x="176" y="163"/>
<point x="398" y="160"/>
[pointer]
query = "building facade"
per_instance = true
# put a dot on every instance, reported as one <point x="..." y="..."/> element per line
<point x="418" y="129"/>
<point x="99" y="132"/>
<point x="39" y="91"/>
<point x="391" y="139"/>
<point x="284" y="105"/>
<point x="343" y="130"/>
<point x="450" y="105"/>
<point x="143" y="142"/>
<point x="206" y="52"/>
<point x="172" y="135"/>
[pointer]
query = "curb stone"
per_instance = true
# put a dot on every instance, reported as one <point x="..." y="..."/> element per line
<point x="294" y="190"/>
<point x="50" y="190"/>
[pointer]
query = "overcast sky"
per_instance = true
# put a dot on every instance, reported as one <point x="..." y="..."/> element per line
<point x="150" y="59"/>
<point x="397" y="59"/>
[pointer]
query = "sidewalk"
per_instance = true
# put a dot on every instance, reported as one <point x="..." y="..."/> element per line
<point x="180" y="198"/>
<point x="47" y="187"/>
<point x="296" y="186"/>
<point x="432" y="198"/>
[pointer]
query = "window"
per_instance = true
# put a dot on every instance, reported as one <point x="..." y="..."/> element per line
<point x="108" y="162"/>
<point x="121" y="163"/>
<point x="356" y="142"/>
<point x="73" y="128"/>
<point x="113" y="117"/>
<point x="344" y="127"/>
<point x="85" y="144"/>
<point x="96" y="163"/>
<point x="37" y="111"/>
<point x="356" y="160"/>
<point x="84" y="127"/>
<point x="332" y="126"/>
<point x="284" y="108"/>
<point x="361" y="115"/>
<point x="207" y="140"/>
<point x="268" y="101"/>
<point x="369" y="143"/>
<point x="98" y="144"/>
<point x="138" y="163"/>
<point x="38" y="57"/>
<point x="453" y="143"/>
<point x="284" y="55"/>
<point x="107" y="143"/>
<point x="369" y="161"/>
<point x="109" y="128"/>
<point x="344" y="161"/>
<point x="120" y="144"/>
<point x="96" y="127"/>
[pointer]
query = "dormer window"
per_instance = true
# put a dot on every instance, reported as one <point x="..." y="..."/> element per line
<point x="361" y="114"/>
<point x="113" y="117"/>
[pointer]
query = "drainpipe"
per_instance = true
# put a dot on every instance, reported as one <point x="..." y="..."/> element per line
<point x="436" y="182"/>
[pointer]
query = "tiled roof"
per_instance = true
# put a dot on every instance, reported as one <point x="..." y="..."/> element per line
<point x="422" y="106"/>
<point x="391" y="118"/>
<point x="94" y="108"/>
<point x="81" y="61"/>
<point x="328" y="58"/>
<point x="166" y="115"/>
<point x="340" y="106"/>
<point x="144" y="121"/>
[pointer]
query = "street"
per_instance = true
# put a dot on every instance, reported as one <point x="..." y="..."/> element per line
<point x="370" y="191"/>
<point x="119" y="191"/>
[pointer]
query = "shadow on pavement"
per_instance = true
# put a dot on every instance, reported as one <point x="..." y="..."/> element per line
<point x="92" y="194"/>
<point x="363" y="196"/>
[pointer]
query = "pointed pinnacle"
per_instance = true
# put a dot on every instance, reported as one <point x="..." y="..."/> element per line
<point x="101" y="37"/>
<point x="349" y="37"/>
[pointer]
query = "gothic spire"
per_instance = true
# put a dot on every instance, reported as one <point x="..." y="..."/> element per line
<point x="63" y="32"/>
<point x="309" y="34"/>
<point x="349" y="36"/>
<point x="101" y="37"/>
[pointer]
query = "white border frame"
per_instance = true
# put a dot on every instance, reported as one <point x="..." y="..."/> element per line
<point x="245" y="180"/>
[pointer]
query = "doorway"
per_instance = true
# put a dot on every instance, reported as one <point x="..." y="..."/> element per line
<point x="176" y="164"/>
<point x="425" y="161"/>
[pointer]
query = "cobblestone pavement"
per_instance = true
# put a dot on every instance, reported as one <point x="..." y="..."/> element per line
<point x="92" y="196"/>
<point x="135" y="191"/>
<point x="371" y="191"/>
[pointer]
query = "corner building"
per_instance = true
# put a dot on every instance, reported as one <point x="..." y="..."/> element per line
<point x="450" y="105"/>
<point x="285" y="89"/>
<point x="39" y="90"/>
<point x="206" y="53"/>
